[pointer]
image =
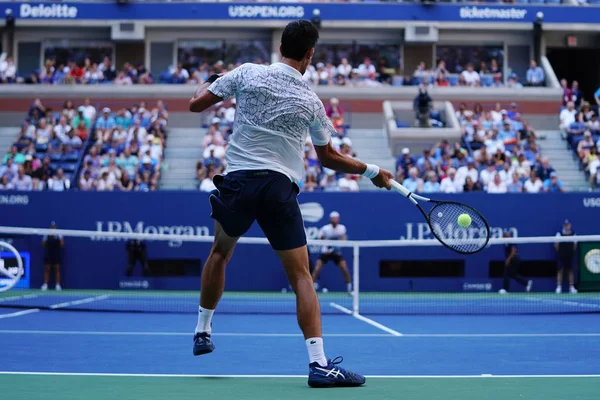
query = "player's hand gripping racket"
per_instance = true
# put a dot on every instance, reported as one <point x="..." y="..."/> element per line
<point x="457" y="226"/>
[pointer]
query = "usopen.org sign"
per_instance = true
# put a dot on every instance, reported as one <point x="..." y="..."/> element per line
<point x="42" y="10"/>
<point x="492" y="13"/>
<point x="243" y="11"/>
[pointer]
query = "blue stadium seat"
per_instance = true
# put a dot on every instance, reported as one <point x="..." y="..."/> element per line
<point x="553" y="1"/>
<point x="55" y="157"/>
<point x="68" y="167"/>
<point x="452" y="79"/>
<point x="70" y="157"/>
<point x="41" y="148"/>
<point x="41" y="156"/>
<point x="54" y="166"/>
<point x="522" y="1"/>
<point x="594" y="1"/>
<point x="487" y="80"/>
<point x="536" y="1"/>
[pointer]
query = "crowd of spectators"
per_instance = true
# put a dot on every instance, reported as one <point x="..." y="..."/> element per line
<point x="126" y="153"/>
<point x="220" y="126"/>
<point x="580" y="126"/>
<point x="125" y="148"/>
<point x="498" y="153"/>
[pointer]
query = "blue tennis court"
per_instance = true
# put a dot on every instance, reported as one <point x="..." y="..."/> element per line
<point x="396" y="350"/>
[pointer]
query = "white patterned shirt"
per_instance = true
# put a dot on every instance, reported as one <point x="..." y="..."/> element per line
<point x="276" y="109"/>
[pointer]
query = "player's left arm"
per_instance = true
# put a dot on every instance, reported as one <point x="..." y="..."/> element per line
<point x="217" y="88"/>
<point x="203" y="98"/>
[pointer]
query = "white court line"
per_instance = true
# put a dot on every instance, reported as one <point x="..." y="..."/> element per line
<point x="564" y="302"/>
<point x="77" y="302"/>
<point x="365" y="319"/>
<point x="482" y="376"/>
<point x="216" y="334"/>
<point x="258" y="334"/>
<point x="19" y="313"/>
<point x="28" y="296"/>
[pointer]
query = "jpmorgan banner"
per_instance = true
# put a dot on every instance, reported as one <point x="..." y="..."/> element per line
<point x="287" y="11"/>
<point x="99" y="263"/>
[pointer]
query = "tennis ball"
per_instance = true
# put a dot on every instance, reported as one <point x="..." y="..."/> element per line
<point x="464" y="220"/>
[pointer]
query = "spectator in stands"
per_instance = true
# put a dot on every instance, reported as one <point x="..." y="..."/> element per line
<point x="151" y="169"/>
<point x="43" y="132"/>
<point x="9" y="169"/>
<point x="347" y="183"/>
<point x="514" y="185"/>
<point x="513" y="82"/>
<point x="328" y="182"/>
<point x="104" y="125"/>
<point x="567" y="116"/>
<point x="594" y="124"/>
<point x="413" y="182"/>
<point x="8" y="70"/>
<point x="585" y="145"/>
<point x="22" y="182"/>
<point x="576" y="94"/>
<point x="534" y="184"/>
<point x="553" y="184"/>
<point x="336" y="114"/>
<point x="128" y="162"/>
<point x="422" y="106"/>
<point x="62" y="129"/>
<point x="126" y="183"/>
<point x="89" y="111"/>
<point x="597" y="96"/>
<point x="567" y="94"/>
<point x="366" y="70"/>
<point x="544" y="170"/>
<point x="108" y="70"/>
<point x="487" y="175"/>
<point x="535" y="75"/>
<point x="80" y="117"/>
<point x="497" y="185"/>
<point x="508" y="136"/>
<point x="86" y="182"/>
<point x="81" y="131"/>
<point x="6" y="183"/>
<point x="17" y="157"/>
<point x="591" y="162"/>
<point x="471" y="185"/>
<point x="470" y="76"/>
<point x="585" y="113"/>
<point x="450" y="184"/>
<point x="59" y="182"/>
<point x="344" y="69"/>
<point x="104" y="184"/>
<point x="123" y="79"/>
<point x="431" y="184"/>
<point x="207" y="185"/>
<point x="405" y="161"/>
<point x="468" y="170"/>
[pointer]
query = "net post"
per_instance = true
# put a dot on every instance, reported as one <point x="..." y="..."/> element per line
<point x="355" y="278"/>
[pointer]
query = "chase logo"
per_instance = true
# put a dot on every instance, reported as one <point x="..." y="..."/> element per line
<point x="312" y="212"/>
<point x="47" y="11"/>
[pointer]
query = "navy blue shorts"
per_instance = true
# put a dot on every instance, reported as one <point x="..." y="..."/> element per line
<point x="268" y="197"/>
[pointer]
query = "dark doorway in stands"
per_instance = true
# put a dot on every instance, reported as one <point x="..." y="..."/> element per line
<point x="579" y="64"/>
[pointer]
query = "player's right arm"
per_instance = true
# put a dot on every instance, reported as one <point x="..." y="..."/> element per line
<point x="216" y="88"/>
<point x="320" y="132"/>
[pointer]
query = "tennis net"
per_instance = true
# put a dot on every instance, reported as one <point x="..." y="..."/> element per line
<point x="417" y="277"/>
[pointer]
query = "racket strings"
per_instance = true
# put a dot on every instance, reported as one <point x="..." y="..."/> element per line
<point x="443" y="219"/>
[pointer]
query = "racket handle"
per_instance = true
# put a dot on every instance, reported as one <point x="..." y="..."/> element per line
<point x="399" y="188"/>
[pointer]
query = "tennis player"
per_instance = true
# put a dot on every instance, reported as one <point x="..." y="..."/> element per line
<point x="276" y="110"/>
<point x="332" y="231"/>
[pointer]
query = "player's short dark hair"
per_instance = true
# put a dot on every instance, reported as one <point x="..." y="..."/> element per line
<point x="297" y="38"/>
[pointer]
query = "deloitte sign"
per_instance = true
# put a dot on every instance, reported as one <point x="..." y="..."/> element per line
<point x="47" y="11"/>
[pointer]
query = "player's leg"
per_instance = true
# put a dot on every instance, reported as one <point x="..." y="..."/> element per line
<point x="57" y="276"/>
<point x="506" y="281"/>
<point x="46" y="276"/>
<point x="144" y="262"/>
<point x="232" y="220"/>
<point x="131" y="260"/>
<point x="516" y="275"/>
<point x="280" y="219"/>
<point x="344" y="268"/>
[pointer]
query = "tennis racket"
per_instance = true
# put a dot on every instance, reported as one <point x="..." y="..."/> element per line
<point x="443" y="222"/>
<point x="10" y="276"/>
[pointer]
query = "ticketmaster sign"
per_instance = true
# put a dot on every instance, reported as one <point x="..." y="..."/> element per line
<point x="277" y="11"/>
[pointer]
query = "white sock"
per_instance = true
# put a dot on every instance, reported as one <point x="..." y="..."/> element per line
<point x="349" y="287"/>
<point x="315" y="351"/>
<point x="204" y="318"/>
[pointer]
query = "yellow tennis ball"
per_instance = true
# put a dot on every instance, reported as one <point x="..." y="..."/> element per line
<point x="464" y="220"/>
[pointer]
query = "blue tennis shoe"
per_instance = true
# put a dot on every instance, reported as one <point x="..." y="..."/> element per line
<point x="203" y="344"/>
<point x="332" y="375"/>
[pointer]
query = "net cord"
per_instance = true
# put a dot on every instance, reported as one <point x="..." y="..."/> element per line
<point x="256" y="240"/>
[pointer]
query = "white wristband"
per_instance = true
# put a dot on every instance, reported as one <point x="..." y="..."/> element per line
<point x="372" y="171"/>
